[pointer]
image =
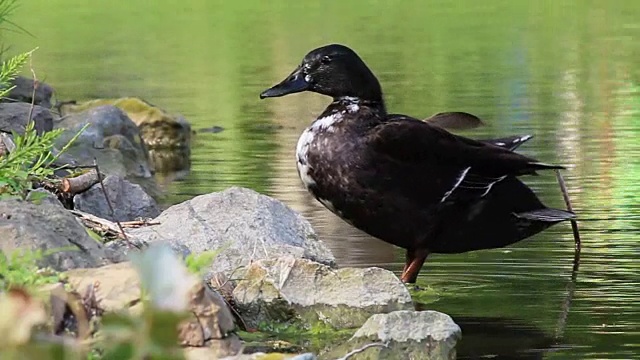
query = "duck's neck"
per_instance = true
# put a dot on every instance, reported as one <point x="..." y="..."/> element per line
<point x="353" y="100"/>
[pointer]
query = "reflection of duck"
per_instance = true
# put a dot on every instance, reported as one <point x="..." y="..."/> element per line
<point x="402" y="180"/>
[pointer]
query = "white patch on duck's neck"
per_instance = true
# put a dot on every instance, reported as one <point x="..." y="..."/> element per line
<point x="352" y="103"/>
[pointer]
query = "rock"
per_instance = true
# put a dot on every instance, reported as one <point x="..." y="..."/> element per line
<point x="23" y="92"/>
<point x="239" y="223"/>
<point x="263" y="356"/>
<point x="213" y="319"/>
<point x="46" y="225"/>
<point x="419" y="335"/>
<point x="129" y="201"/>
<point x="216" y="349"/>
<point x="14" y="117"/>
<point x="159" y="129"/>
<point x="286" y="288"/>
<point x="112" y="138"/>
<point x="119" y="290"/>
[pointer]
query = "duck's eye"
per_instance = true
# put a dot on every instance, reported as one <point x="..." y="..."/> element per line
<point x="325" y="59"/>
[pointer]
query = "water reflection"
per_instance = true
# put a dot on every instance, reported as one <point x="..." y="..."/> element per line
<point x="500" y="338"/>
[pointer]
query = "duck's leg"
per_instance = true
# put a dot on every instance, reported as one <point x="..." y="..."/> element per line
<point x="414" y="260"/>
<point x="409" y="255"/>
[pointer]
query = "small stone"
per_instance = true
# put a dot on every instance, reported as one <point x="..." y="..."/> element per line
<point x="129" y="201"/>
<point x="14" y="117"/>
<point x="23" y="92"/>
<point x="419" y="335"/>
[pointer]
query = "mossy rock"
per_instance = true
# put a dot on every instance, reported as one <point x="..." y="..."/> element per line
<point x="158" y="128"/>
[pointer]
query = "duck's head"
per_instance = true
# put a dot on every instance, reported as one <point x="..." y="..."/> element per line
<point x="333" y="70"/>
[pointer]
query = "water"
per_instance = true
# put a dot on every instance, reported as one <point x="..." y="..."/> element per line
<point x="564" y="71"/>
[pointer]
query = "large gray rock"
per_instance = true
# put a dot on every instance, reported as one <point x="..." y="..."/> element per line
<point x="46" y="225"/>
<point x="129" y="201"/>
<point x="23" y="92"/>
<point x="241" y="224"/>
<point x="112" y="138"/>
<point x="419" y="335"/>
<point x="15" y="116"/>
<point x="287" y="288"/>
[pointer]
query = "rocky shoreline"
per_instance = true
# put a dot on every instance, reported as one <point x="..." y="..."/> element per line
<point x="270" y="273"/>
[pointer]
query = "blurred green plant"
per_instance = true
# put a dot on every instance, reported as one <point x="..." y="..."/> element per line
<point x="20" y="269"/>
<point x="199" y="263"/>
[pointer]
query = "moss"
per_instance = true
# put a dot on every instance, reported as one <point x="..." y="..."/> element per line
<point x="423" y="295"/>
<point x="294" y="337"/>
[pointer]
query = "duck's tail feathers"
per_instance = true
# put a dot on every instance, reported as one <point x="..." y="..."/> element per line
<point x="510" y="142"/>
<point x="546" y="215"/>
<point x="544" y="166"/>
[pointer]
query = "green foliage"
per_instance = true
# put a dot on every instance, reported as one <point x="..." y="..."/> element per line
<point x="10" y="69"/>
<point x="136" y="338"/>
<point x="28" y="161"/>
<point x="31" y="160"/>
<point x="20" y="269"/>
<point x="199" y="263"/>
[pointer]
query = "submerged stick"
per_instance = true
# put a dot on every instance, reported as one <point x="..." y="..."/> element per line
<point x="574" y="224"/>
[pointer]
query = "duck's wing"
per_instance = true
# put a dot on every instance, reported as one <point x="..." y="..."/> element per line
<point x="465" y="121"/>
<point x="465" y="168"/>
<point x="453" y="120"/>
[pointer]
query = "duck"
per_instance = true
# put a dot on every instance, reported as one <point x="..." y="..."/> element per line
<point x="409" y="182"/>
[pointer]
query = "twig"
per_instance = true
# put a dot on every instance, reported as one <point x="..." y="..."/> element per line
<point x="138" y="223"/>
<point x="104" y="191"/>
<point x="33" y="92"/>
<point x="98" y="223"/>
<point x="357" y="351"/>
<point x="574" y="224"/>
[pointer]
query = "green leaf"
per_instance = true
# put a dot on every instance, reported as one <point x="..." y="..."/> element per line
<point x="94" y="235"/>
<point x="20" y="174"/>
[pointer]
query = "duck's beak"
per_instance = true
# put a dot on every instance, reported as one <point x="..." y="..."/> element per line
<point x="292" y="84"/>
